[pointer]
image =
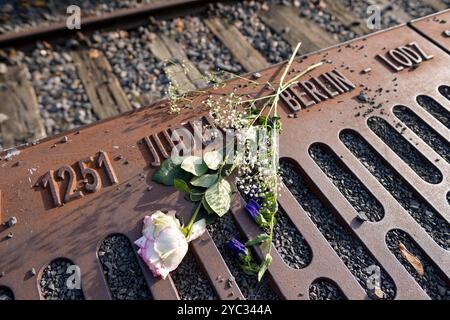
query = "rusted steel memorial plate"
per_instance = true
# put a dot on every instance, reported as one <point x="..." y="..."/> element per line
<point x="436" y="27"/>
<point x="365" y="147"/>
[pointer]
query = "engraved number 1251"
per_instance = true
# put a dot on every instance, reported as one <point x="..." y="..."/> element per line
<point x="91" y="178"/>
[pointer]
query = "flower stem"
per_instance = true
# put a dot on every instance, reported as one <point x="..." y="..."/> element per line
<point x="192" y="220"/>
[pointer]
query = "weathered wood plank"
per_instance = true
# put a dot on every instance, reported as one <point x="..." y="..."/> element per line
<point x="240" y="48"/>
<point x="101" y="85"/>
<point x="19" y="110"/>
<point x="179" y="69"/>
<point x="294" y="29"/>
<point x="347" y="17"/>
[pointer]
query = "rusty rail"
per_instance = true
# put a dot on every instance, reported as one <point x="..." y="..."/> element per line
<point x="120" y="17"/>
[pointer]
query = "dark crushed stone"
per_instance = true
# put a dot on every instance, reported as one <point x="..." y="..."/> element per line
<point x="410" y="200"/>
<point x="347" y="246"/>
<point x="435" y="109"/>
<point x="19" y="15"/>
<point x="328" y="22"/>
<point x="53" y="282"/>
<point x="122" y="270"/>
<point x="6" y="294"/>
<point x="140" y="74"/>
<point x="348" y="184"/>
<point x="362" y="97"/>
<point x="201" y="46"/>
<point x="325" y="290"/>
<point x="244" y="16"/>
<point x="191" y="282"/>
<point x="431" y="282"/>
<point x="424" y="131"/>
<point x="62" y="98"/>
<point x="289" y="242"/>
<point x="405" y="150"/>
<point x="221" y="232"/>
<point x="445" y="91"/>
<point x="416" y="8"/>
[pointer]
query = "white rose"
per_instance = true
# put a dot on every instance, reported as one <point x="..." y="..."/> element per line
<point x="163" y="245"/>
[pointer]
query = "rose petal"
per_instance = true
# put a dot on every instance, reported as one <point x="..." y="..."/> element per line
<point x="198" y="228"/>
<point x="172" y="261"/>
<point x="169" y="239"/>
<point x="160" y="221"/>
<point x="140" y="242"/>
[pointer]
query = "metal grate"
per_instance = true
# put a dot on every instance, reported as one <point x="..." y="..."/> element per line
<point x="351" y="196"/>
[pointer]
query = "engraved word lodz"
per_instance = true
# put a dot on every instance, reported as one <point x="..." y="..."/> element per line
<point x="317" y="89"/>
<point x="89" y="169"/>
<point x="403" y="57"/>
<point x="187" y="136"/>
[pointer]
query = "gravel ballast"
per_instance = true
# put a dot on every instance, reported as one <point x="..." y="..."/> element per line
<point x="200" y="45"/>
<point x="323" y="289"/>
<point x="221" y="232"/>
<point x="414" y="8"/>
<point x="289" y="243"/>
<point x="432" y="281"/>
<point x="244" y="16"/>
<point x="18" y="15"/>
<point x="53" y="282"/>
<point x="405" y="150"/>
<point x="121" y="269"/>
<point x="395" y="184"/>
<point x="140" y="74"/>
<point x="63" y="103"/>
<point x="347" y="246"/>
<point x="445" y="91"/>
<point x="191" y="282"/>
<point x="367" y="206"/>
<point x="435" y="109"/>
<point x="424" y="131"/>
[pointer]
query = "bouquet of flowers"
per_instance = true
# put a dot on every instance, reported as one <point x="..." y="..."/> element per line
<point x="249" y="154"/>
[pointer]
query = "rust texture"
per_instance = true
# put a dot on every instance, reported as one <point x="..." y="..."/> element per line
<point x="435" y="27"/>
<point x="73" y="223"/>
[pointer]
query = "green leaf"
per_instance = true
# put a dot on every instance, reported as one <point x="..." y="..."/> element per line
<point x="206" y="206"/>
<point x="218" y="197"/>
<point x="261" y="238"/>
<point x="181" y="186"/>
<point x="226" y="170"/>
<point x="168" y="172"/>
<point x="205" y="181"/>
<point x="194" y="165"/>
<point x="250" y="270"/>
<point x="196" y="195"/>
<point x="262" y="120"/>
<point x="264" y="266"/>
<point x="213" y="159"/>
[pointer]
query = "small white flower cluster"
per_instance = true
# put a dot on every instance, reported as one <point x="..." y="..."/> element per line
<point x="226" y="112"/>
<point x="174" y="99"/>
<point x="257" y="174"/>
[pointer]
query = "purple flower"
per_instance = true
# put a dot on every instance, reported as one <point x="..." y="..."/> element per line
<point x="253" y="208"/>
<point x="237" y="247"/>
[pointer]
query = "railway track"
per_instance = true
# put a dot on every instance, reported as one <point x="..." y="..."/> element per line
<point x="388" y="171"/>
<point x="48" y="67"/>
